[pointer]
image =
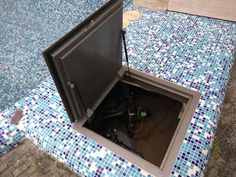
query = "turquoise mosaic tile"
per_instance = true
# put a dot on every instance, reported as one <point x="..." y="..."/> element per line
<point x="194" y="52"/>
<point x="27" y="28"/>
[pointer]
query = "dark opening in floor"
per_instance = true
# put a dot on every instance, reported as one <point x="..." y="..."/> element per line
<point x="138" y="120"/>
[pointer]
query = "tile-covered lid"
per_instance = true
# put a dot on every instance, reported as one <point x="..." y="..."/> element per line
<point x="85" y="62"/>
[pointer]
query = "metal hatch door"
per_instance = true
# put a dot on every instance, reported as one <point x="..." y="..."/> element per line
<point x="85" y="62"/>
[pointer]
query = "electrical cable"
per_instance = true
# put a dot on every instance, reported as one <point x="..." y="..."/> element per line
<point x="154" y="127"/>
<point x="136" y="130"/>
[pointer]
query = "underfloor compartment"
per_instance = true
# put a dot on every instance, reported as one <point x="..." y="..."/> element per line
<point x="138" y="120"/>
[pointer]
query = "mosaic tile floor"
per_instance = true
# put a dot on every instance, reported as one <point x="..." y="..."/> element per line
<point x="27" y="28"/>
<point x="194" y="52"/>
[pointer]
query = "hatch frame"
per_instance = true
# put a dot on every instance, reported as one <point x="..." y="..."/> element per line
<point x="189" y="97"/>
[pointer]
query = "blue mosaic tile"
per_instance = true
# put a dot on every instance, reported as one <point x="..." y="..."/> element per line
<point x="27" y="28"/>
<point x="195" y="52"/>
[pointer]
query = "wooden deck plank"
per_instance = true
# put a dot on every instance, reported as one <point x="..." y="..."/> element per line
<point x="221" y="9"/>
<point x="160" y="5"/>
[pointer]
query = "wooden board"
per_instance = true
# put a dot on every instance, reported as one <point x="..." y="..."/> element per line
<point x="222" y="9"/>
<point x="160" y="5"/>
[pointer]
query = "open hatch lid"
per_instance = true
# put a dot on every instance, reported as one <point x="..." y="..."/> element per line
<point x="85" y="62"/>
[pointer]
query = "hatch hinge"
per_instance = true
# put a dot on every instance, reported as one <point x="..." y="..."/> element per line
<point x="77" y="98"/>
<point x="89" y="112"/>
